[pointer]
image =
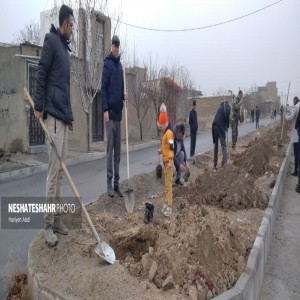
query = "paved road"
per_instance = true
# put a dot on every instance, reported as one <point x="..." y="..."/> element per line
<point x="90" y="180"/>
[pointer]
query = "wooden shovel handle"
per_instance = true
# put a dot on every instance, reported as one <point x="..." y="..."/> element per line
<point x="28" y="97"/>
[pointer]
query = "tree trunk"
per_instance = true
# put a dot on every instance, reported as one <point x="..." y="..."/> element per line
<point x="141" y="130"/>
<point x="88" y="132"/>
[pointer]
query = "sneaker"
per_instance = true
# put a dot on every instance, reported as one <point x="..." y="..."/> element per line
<point x="186" y="175"/>
<point x="60" y="227"/>
<point x="294" y="173"/>
<point x="50" y="237"/>
<point x="168" y="211"/>
<point x="164" y="209"/>
<point x="118" y="192"/>
<point x="178" y="182"/>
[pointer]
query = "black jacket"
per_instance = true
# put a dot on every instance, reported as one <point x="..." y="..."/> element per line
<point x="221" y="119"/>
<point x="53" y="78"/>
<point x="193" y="121"/>
<point x="297" y="124"/>
<point x="112" y="87"/>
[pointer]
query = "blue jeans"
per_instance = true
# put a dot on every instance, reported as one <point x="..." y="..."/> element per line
<point x="218" y="135"/>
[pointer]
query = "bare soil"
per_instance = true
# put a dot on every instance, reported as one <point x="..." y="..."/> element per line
<point x="197" y="253"/>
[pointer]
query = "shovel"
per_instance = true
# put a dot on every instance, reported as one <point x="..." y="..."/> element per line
<point x="129" y="194"/>
<point x="102" y="248"/>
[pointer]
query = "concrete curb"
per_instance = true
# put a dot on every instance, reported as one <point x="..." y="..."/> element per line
<point x="249" y="284"/>
<point x="85" y="157"/>
<point x="35" y="282"/>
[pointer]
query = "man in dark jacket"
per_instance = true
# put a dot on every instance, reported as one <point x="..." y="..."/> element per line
<point x="297" y="127"/>
<point x="180" y="163"/>
<point x="52" y="101"/>
<point x="193" y="121"/>
<point x="112" y="90"/>
<point x="219" y="127"/>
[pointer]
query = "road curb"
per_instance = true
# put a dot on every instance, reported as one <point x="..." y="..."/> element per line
<point x="85" y="157"/>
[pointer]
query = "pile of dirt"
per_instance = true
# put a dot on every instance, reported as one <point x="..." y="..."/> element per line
<point x="197" y="253"/>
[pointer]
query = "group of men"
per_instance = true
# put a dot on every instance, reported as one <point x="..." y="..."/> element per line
<point x="53" y="104"/>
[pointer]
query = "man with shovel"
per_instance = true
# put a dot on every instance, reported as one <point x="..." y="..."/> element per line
<point x="53" y="103"/>
<point x="112" y="90"/>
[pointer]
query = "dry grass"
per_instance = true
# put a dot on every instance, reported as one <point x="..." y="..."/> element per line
<point x="16" y="278"/>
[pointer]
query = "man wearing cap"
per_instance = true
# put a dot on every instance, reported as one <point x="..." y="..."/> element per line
<point x="112" y="90"/>
<point x="193" y="121"/>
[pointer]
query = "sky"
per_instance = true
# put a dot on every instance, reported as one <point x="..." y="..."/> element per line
<point x="246" y="53"/>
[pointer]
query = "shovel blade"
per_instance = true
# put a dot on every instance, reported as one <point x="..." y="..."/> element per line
<point x="129" y="200"/>
<point x="106" y="252"/>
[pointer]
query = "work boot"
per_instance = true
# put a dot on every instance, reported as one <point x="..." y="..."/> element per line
<point x="147" y="214"/>
<point x="50" y="237"/>
<point x="117" y="191"/>
<point x="149" y="209"/>
<point x="60" y="227"/>
<point x="186" y="175"/>
<point x="110" y="191"/>
<point x="178" y="182"/>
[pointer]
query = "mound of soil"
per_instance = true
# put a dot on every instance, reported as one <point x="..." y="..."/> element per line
<point x="197" y="253"/>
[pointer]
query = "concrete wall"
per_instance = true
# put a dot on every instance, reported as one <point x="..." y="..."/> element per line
<point x="13" y="116"/>
<point x="206" y="108"/>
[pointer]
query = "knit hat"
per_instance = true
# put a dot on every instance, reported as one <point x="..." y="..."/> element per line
<point x="163" y="117"/>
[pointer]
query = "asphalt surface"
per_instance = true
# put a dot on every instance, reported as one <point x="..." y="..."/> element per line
<point x="90" y="180"/>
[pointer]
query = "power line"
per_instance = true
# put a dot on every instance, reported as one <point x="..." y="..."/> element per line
<point x="197" y="28"/>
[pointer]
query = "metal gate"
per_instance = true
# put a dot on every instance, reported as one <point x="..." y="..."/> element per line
<point x="36" y="133"/>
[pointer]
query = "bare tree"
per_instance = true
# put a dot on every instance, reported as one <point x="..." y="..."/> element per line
<point x="136" y="88"/>
<point x="187" y="90"/>
<point x="30" y="33"/>
<point x="88" y="46"/>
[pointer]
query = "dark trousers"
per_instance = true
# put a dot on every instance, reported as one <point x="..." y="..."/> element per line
<point x="217" y="134"/>
<point x="113" y="151"/>
<point x="234" y="131"/>
<point x="193" y="143"/>
<point x="257" y="123"/>
<point x="296" y="157"/>
<point x="298" y="160"/>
